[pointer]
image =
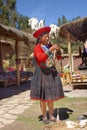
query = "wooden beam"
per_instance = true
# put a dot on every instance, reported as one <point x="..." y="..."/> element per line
<point x="69" y="52"/>
<point x="1" y="62"/>
<point x="17" y="63"/>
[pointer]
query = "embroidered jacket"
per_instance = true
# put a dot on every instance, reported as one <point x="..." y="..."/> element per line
<point x="41" y="55"/>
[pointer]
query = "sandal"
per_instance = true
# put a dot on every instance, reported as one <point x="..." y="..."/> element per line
<point x="52" y="118"/>
<point x="45" y="120"/>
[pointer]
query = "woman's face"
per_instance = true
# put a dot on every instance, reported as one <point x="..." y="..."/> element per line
<point x="44" y="39"/>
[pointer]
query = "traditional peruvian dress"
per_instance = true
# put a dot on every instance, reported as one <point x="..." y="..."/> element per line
<point x="46" y="84"/>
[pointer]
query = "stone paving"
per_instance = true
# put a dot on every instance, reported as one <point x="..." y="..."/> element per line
<point x="11" y="107"/>
<point x="70" y="92"/>
<point x="18" y="99"/>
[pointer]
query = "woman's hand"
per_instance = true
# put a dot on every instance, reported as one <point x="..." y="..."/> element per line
<point x="54" y="47"/>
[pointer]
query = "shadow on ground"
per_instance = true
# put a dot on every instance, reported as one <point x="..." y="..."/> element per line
<point x="13" y="90"/>
<point x="63" y="113"/>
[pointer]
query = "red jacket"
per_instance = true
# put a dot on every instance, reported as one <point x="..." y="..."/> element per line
<point x="40" y="54"/>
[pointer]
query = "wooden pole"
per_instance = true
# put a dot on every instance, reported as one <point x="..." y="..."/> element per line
<point x="17" y="64"/>
<point x="1" y="60"/>
<point x="70" y="54"/>
<point x="72" y="63"/>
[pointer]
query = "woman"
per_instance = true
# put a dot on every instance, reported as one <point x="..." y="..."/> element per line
<point x="84" y="54"/>
<point x="46" y="85"/>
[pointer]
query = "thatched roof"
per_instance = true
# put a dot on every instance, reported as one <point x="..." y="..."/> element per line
<point x="77" y="30"/>
<point x="16" y="34"/>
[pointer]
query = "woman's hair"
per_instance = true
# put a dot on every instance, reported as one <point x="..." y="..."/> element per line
<point x="38" y="40"/>
<point x="85" y="40"/>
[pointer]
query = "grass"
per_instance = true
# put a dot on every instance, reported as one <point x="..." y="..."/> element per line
<point x="72" y="107"/>
<point x="69" y="109"/>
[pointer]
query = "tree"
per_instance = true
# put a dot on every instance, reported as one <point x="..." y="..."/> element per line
<point x="13" y="14"/>
<point x="3" y="13"/>
<point x="10" y="17"/>
<point x="59" y="22"/>
<point x="22" y="22"/>
<point x="64" y="20"/>
<point x="8" y="14"/>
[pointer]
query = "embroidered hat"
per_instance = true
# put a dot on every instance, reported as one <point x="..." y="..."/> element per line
<point x="41" y="31"/>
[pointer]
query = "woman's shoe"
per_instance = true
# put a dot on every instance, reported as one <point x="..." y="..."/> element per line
<point x="52" y="118"/>
<point x="45" y="120"/>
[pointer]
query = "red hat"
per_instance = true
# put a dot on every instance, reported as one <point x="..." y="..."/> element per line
<point x="40" y="31"/>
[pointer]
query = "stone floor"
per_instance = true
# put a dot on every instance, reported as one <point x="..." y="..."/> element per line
<point x="13" y="102"/>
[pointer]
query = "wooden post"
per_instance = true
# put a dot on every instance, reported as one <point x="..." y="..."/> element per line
<point x="69" y="52"/>
<point x="1" y="64"/>
<point x="72" y="63"/>
<point x="17" y="64"/>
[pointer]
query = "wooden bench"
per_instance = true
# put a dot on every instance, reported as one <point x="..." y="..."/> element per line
<point x="79" y="82"/>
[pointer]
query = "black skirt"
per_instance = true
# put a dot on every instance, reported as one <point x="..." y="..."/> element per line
<point x="46" y="84"/>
